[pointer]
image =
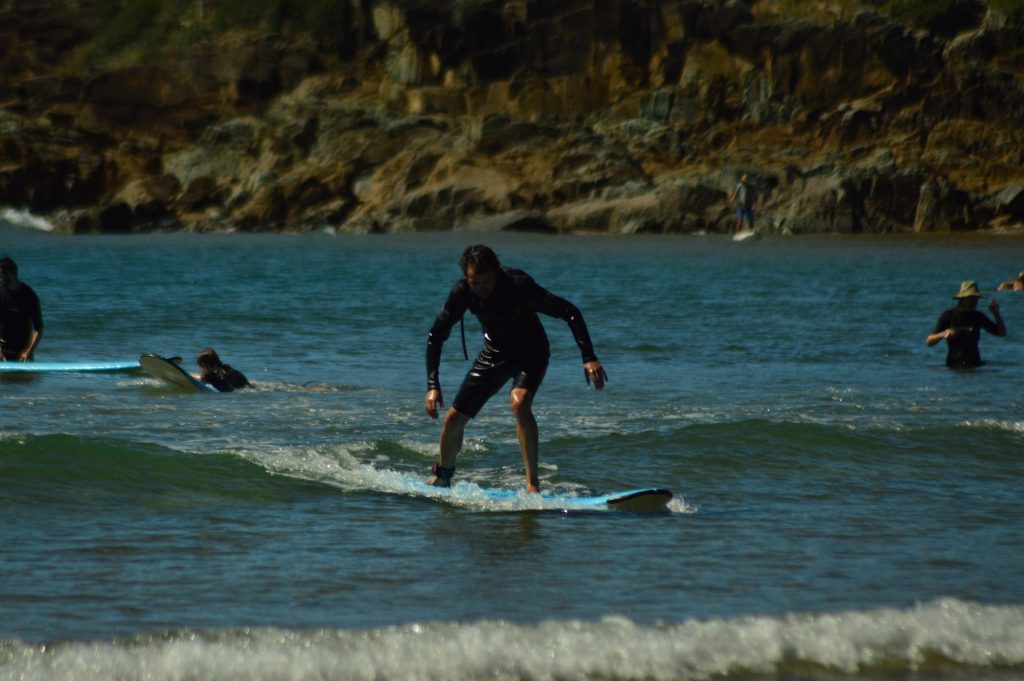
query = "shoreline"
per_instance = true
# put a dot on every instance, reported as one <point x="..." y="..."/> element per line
<point x="14" y="219"/>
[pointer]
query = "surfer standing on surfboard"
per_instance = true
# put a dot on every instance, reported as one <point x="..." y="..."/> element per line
<point x="506" y="301"/>
<point x="21" y="316"/>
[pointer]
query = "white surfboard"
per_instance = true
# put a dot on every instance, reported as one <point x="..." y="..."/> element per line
<point x="745" y="235"/>
<point x="167" y="370"/>
<point x="68" y="367"/>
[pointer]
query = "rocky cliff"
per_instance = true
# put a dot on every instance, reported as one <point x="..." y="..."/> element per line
<point x="620" y="116"/>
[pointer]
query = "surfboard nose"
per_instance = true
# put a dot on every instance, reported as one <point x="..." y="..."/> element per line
<point x="642" y="501"/>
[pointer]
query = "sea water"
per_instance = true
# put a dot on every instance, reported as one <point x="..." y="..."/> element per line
<point x="846" y="507"/>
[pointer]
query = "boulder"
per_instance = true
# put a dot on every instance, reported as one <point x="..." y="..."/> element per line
<point x="942" y="207"/>
<point x="1010" y="201"/>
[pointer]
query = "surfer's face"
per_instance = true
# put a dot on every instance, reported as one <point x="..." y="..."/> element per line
<point x="481" y="283"/>
<point x="969" y="303"/>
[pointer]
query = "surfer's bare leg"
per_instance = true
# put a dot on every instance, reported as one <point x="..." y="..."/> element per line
<point x="521" y="401"/>
<point x="452" y="432"/>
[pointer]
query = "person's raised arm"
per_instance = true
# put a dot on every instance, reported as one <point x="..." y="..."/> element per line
<point x="993" y="307"/>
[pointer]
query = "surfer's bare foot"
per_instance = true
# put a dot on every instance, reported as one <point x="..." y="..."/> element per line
<point x="532" y="489"/>
<point x="442" y="476"/>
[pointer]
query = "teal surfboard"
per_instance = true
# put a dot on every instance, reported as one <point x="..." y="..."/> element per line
<point x="68" y="367"/>
<point x="640" y="500"/>
<point x="168" y="370"/>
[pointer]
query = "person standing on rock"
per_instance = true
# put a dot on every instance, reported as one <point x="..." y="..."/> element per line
<point x="961" y="327"/>
<point x="21" y="317"/>
<point x="745" y="196"/>
<point x="506" y="301"/>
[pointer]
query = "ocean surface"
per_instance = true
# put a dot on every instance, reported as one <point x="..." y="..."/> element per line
<point x="845" y="506"/>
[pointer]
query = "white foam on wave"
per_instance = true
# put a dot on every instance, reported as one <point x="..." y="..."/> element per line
<point x="868" y="644"/>
<point x="995" y="424"/>
<point x="23" y="218"/>
<point x="343" y="466"/>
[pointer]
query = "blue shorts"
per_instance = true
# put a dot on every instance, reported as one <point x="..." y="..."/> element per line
<point x="491" y="370"/>
<point x="747" y="213"/>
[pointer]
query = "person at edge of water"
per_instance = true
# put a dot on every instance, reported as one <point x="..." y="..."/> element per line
<point x="1015" y="284"/>
<point x="221" y="376"/>
<point x="745" y="196"/>
<point x="961" y="327"/>
<point x="506" y="301"/>
<point x="21" y="316"/>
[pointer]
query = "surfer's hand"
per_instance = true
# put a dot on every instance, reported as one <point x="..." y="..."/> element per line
<point x="593" y="371"/>
<point x="993" y="306"/>
<point x="432" y="402"/>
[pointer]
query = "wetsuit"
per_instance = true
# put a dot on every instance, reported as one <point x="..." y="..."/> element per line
<point x="515" y="344"/>
<point x="20" y="313"/>
<point x="225" y="378"/>
<point x="962" y="348"/>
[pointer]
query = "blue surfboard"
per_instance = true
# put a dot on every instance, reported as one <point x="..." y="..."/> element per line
<point x="168" y="370"/>
<point x="68" y="367"/>
<point x="641" y="500"/>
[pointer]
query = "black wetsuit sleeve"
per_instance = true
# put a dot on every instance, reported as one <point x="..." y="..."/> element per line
<point x="944" y="322"/>
<point x="987" y="324"/>
<point x="225" y="378"/>
<point x="454" y="308"/>
<point x="548" y="303"/>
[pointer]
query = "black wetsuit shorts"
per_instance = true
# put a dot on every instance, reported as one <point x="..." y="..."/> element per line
<point x="492" y="369"/>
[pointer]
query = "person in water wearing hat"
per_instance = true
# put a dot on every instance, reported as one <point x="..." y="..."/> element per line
<point x="1016" y="284"/>
<point x="961" y="327"/>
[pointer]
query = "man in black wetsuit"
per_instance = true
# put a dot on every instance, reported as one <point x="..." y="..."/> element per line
<point x="961" y="327"/>
<point x="506" y="301"/>
<point x="221" y="376"/>
<point x="21" y="317"/>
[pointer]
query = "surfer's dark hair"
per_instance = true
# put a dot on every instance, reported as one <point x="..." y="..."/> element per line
<point x="208" y="359"/>
<point x="7" y="264"/>
<point x="481" y="258"/>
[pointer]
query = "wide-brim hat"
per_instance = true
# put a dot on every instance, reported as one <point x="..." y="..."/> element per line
<point x="969" y="289"/>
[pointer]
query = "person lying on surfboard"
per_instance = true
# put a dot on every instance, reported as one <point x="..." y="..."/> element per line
<point x="506" y="301"/>
<point x="1015" y="284"/>
<point x="221" y="376"/>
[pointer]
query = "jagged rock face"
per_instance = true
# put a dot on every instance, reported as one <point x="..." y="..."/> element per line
<point x="621" y="115"/>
